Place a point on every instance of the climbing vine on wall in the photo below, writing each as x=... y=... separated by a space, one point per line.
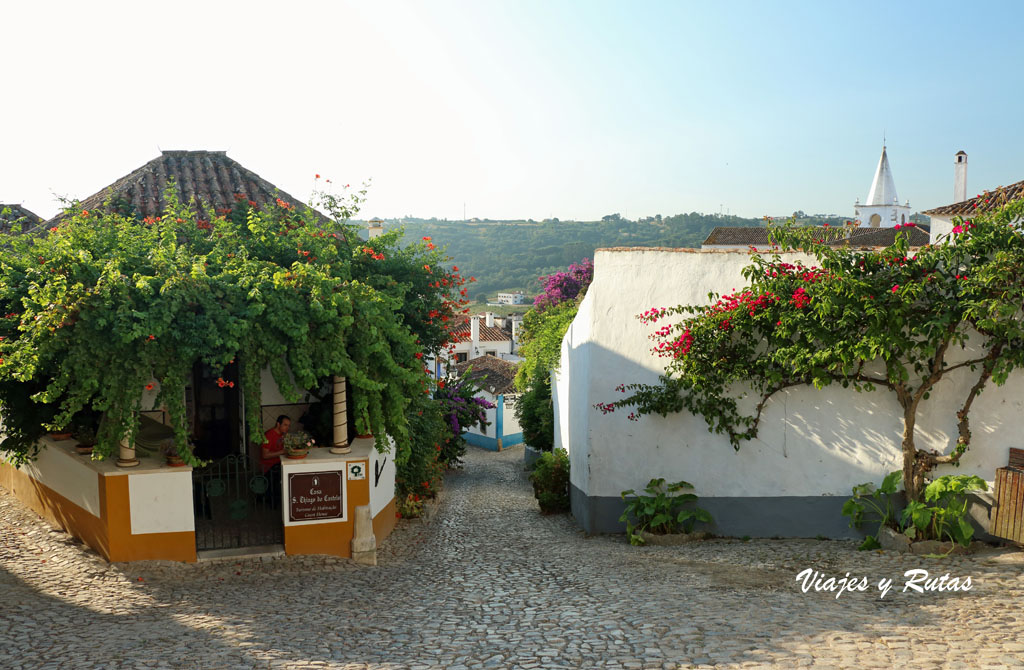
x=103 y=306
x=880 y=319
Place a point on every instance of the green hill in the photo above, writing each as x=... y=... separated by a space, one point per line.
x=511 y=255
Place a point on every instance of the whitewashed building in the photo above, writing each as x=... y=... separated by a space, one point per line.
x=496 y=378
x=513 y=298
x=964 y=207
x=813 y=445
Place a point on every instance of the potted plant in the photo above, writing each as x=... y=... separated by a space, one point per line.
x=85 y=434
x=62 y=434
x=297 y=444
x=170 y=452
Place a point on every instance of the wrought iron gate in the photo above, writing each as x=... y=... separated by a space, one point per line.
x=236 y=505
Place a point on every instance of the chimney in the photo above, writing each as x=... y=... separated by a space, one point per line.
x=474 y=335
x=515 y=330
x=374 y=228
x=490 y=319
x=960 y=177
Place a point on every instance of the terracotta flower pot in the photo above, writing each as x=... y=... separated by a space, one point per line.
x=84 y=449
x=60 y=436
x=296 y=453
x=367 y=436
x=175 y=461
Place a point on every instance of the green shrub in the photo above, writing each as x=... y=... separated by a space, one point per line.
x=550 y=478
x=663 y=510
x=536 y=415
x=946 y=518
x=876 y=503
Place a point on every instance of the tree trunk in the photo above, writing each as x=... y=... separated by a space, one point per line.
x=911 y=478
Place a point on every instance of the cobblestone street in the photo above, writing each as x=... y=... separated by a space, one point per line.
x=489 y=583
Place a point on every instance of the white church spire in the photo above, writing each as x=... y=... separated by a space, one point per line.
x=882 y=208
x=883 y=189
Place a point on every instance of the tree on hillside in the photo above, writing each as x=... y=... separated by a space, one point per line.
x=868 y=320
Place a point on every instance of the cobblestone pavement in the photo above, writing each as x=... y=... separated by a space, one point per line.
x=489 y=583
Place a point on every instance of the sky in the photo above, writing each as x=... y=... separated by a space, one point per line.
x=526 y=109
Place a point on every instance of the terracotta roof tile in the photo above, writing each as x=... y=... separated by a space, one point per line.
x=17 y=214
x=487 y=333
x=987 y=201
x=493 y=374
x=757 y=236
x=208 y=176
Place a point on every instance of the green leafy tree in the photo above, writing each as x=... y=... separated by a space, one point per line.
x=104 y=306
x=869 y=320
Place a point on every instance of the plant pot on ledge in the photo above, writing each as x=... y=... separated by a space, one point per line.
x=60 y=436
x=175 y=461
x=84 y=449
x=296 y=453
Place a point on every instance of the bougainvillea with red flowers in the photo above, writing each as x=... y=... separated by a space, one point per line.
x=891 y=319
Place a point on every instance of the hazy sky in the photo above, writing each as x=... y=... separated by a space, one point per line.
x=534 y=109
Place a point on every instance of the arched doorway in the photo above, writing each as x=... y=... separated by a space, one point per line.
x=875 y=221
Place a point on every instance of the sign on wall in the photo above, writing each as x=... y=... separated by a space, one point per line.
x=315 y=495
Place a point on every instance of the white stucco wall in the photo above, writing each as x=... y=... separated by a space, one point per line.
x=270 y=394
x=811 y=443
x=382 y=478
x=69 y=475
x=940 y=227
x=511 y=423
x=161 y=502
x=492 y=415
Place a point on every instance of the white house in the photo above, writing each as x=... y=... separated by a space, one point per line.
x=513 y=298
x=942 y=217
x=813 y=445
x=496 y=378
x=474 y=337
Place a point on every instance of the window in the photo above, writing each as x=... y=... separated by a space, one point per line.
x=490 y=353
x=461 y=358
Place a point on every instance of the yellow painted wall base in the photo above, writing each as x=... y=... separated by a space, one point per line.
x=110 y=533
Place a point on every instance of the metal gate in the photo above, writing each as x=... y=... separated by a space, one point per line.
x=236 y=505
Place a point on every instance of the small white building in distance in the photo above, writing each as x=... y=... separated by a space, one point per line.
x=882 y=208
x=515 y=298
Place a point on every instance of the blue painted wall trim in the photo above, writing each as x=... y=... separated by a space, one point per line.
x=482 y=441
x=513 y=439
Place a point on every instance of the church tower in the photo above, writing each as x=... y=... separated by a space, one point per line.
x=882 y=208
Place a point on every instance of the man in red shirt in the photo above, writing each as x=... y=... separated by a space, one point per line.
x=274 y=447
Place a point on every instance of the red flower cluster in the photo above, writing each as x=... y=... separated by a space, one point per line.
x=676 y=348
x=746 y=299
x=652 y=315
x=800 y=298
x=221 y=383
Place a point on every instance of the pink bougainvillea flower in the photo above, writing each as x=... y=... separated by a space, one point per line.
x=896 y=287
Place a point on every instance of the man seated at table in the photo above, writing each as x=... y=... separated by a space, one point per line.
x=272 y=448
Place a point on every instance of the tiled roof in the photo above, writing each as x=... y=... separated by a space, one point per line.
x=493 y=374
x=487 y=333
x=757 y=236
x=988 y=200
x=17 y=214
x=208 y=176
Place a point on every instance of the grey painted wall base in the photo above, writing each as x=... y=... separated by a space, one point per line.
x=775 y=516
x=781 y=516
x=530 y=456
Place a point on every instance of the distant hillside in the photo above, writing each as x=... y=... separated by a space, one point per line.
x=511 y=255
